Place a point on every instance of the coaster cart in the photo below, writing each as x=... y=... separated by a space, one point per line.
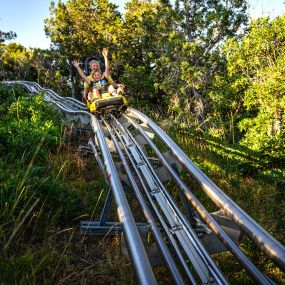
x=107 y=104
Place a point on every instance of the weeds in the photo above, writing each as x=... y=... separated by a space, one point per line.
x=249 y=182
x=43 y=195
x=47 y=187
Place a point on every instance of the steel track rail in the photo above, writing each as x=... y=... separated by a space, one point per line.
x=34 y=87
x=156 y=194
x=232 y=247
x=266 y=243
x=176 y=276
x=174 y=245
x=201 y=260
x=137 y=252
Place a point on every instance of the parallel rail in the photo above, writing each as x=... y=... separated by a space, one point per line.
x=176 y=227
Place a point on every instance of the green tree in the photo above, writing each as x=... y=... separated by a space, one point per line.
x=16 y=63
x=51 y=70
x=7 y=36
x=3 y=37
x=193 y=51
x=142 y=26
x=43 y=66
x=79 y=28
x=176 y=51
x=255 y=83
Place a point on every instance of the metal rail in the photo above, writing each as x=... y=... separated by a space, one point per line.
x=148 y=215
x=135 y=245
x=180 y=228
x=173 y=232
x=136 y=249
x=232 y=247
x=267 y=244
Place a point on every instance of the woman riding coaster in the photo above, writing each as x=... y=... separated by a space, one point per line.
x=97 y=82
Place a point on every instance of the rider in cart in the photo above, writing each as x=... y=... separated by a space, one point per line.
x=99 y=81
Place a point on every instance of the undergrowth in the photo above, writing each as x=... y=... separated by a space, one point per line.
x=46 y=189
x=252 y=181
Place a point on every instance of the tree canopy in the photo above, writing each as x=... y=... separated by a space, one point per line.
x=199 y=62
x=213 y=80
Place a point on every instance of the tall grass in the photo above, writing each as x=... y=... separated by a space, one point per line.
x=46 y=188
x=250 y=182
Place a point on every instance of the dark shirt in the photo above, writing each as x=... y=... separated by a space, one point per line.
x=101 y=84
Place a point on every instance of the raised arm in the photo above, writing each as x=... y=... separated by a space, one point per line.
x=107 y=64
x=80 y=71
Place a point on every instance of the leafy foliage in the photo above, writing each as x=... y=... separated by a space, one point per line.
x=254 y=80
x=7 y=36
x=215 y=81
x=26 y=135
x=37 y=200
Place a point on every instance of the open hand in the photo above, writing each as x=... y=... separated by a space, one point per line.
x=105 y=52
x=76 y=63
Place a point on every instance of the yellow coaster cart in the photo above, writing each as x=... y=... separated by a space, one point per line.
x=108 y=104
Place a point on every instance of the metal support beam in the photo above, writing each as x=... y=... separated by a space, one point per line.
x=136 y=249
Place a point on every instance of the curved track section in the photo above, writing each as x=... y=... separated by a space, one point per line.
x=272 y=248
x=133 y=151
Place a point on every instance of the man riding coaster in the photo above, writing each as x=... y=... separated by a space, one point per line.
x=98 y=85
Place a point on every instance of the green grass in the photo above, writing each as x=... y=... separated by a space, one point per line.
x=250 y=183
x=47 y=187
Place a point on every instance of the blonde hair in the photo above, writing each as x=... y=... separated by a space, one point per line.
x=96 y=70
x=94 y=61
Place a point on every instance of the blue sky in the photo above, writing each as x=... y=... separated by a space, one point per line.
x=26 y=17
